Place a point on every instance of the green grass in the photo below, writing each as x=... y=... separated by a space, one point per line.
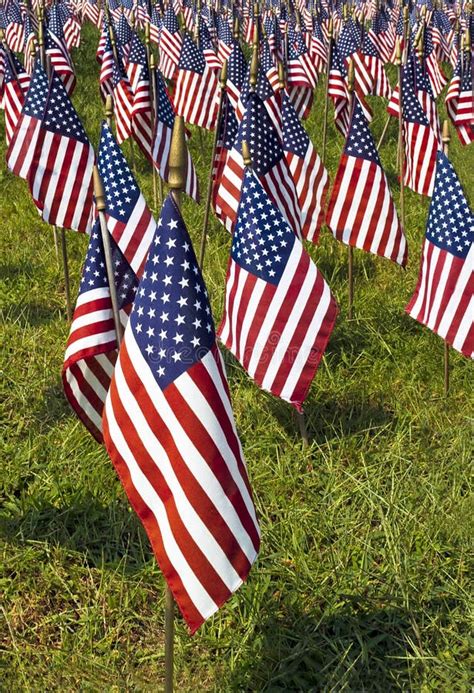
x=363 y=578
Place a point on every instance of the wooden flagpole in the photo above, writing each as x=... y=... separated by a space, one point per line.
x=446 y=139
x=350 y=256
x=109 y=265
x=222 y=81
x=67 y=285
x=326 y=97
x=401 y=142
x=157 y=183
x=178 y=162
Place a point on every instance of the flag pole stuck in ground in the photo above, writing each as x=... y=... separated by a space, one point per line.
x=446 y=139
x=177 y=177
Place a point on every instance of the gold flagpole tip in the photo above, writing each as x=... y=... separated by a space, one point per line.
x=152 y=61
x=236 y=31
x=246 y=153
x=350 y=75
x=398 y=53
x=281 y=75
x=446 y=136
x=223 y=75
x=177 y=160
x=98 y=191
x=254 y=67
x=109 y=107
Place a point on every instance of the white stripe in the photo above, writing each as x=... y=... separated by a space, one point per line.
x=197 y=594
x=464 y=327
x=82 y=401
x=310 y=337
x=456 y=296
x=192 y=458
x=275 y=306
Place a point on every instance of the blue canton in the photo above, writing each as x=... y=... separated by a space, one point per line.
x=121 y=189
x=137 y=53
x=412 y=110
x=236 y=67
x=360 y=142
x=123 y=31
x=164 y=109
x=262 y=241
x=171 y=318
x=94 y=272
x=450 y=222
x=60 y=115
x=37 y=95
x=191 y=57
x=295 y=139
x=258 y=130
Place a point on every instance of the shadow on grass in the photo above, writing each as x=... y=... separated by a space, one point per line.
x=29 y=314
x=11 y=271
x=362 y=647
x=328 y=419
x=54 y=406
x=103 y=534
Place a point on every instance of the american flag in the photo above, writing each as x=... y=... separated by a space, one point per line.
x=348 y=47
x=164 y=121
x=123 y=102
x=236 y=70
x=279 y=311
x=465 y=102
x=444 y=297
x=170 y=432
x=226 y=136
x=196 y=95
x=225 y=43
x=382 y=34
x=60 y=174
x=16 y=83
x=318 y=48
x=269 y=164
x=170 y=44
x=31 y=45
x=425 y=95
x=90 y=10
x=361 y=211
x=464 y=99
x=436 y=76
x=139 y=78
x=129 y=219
x=375 y=66
x=123 y=33
x=207 y=47
x=420 y=141
x=14 y=32
x=310 y=176
x=337 y=90
x=23 y=142
x=106 y=68
x=92 y=347
x=58 y=52
x=301 y=71
x=155 y=25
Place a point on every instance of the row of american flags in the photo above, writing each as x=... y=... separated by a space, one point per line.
x=159 y=401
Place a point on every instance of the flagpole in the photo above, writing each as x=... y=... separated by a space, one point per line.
x=446 y=139
x=42 y=53
x=401 y=145
x=177 y=173
x=109 y=265
x=67 y=286
x=326 y=99
x=350 y=256
x=157 y=191
x=222 y=80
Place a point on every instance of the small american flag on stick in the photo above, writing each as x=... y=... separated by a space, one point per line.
x=279 y=311
x=170 y=432
x=444 y=297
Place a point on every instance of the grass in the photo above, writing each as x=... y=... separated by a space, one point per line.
x=363 y=578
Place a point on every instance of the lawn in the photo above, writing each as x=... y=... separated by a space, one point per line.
x=362 y=583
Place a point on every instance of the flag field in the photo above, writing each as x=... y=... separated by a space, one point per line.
x=363 y=578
